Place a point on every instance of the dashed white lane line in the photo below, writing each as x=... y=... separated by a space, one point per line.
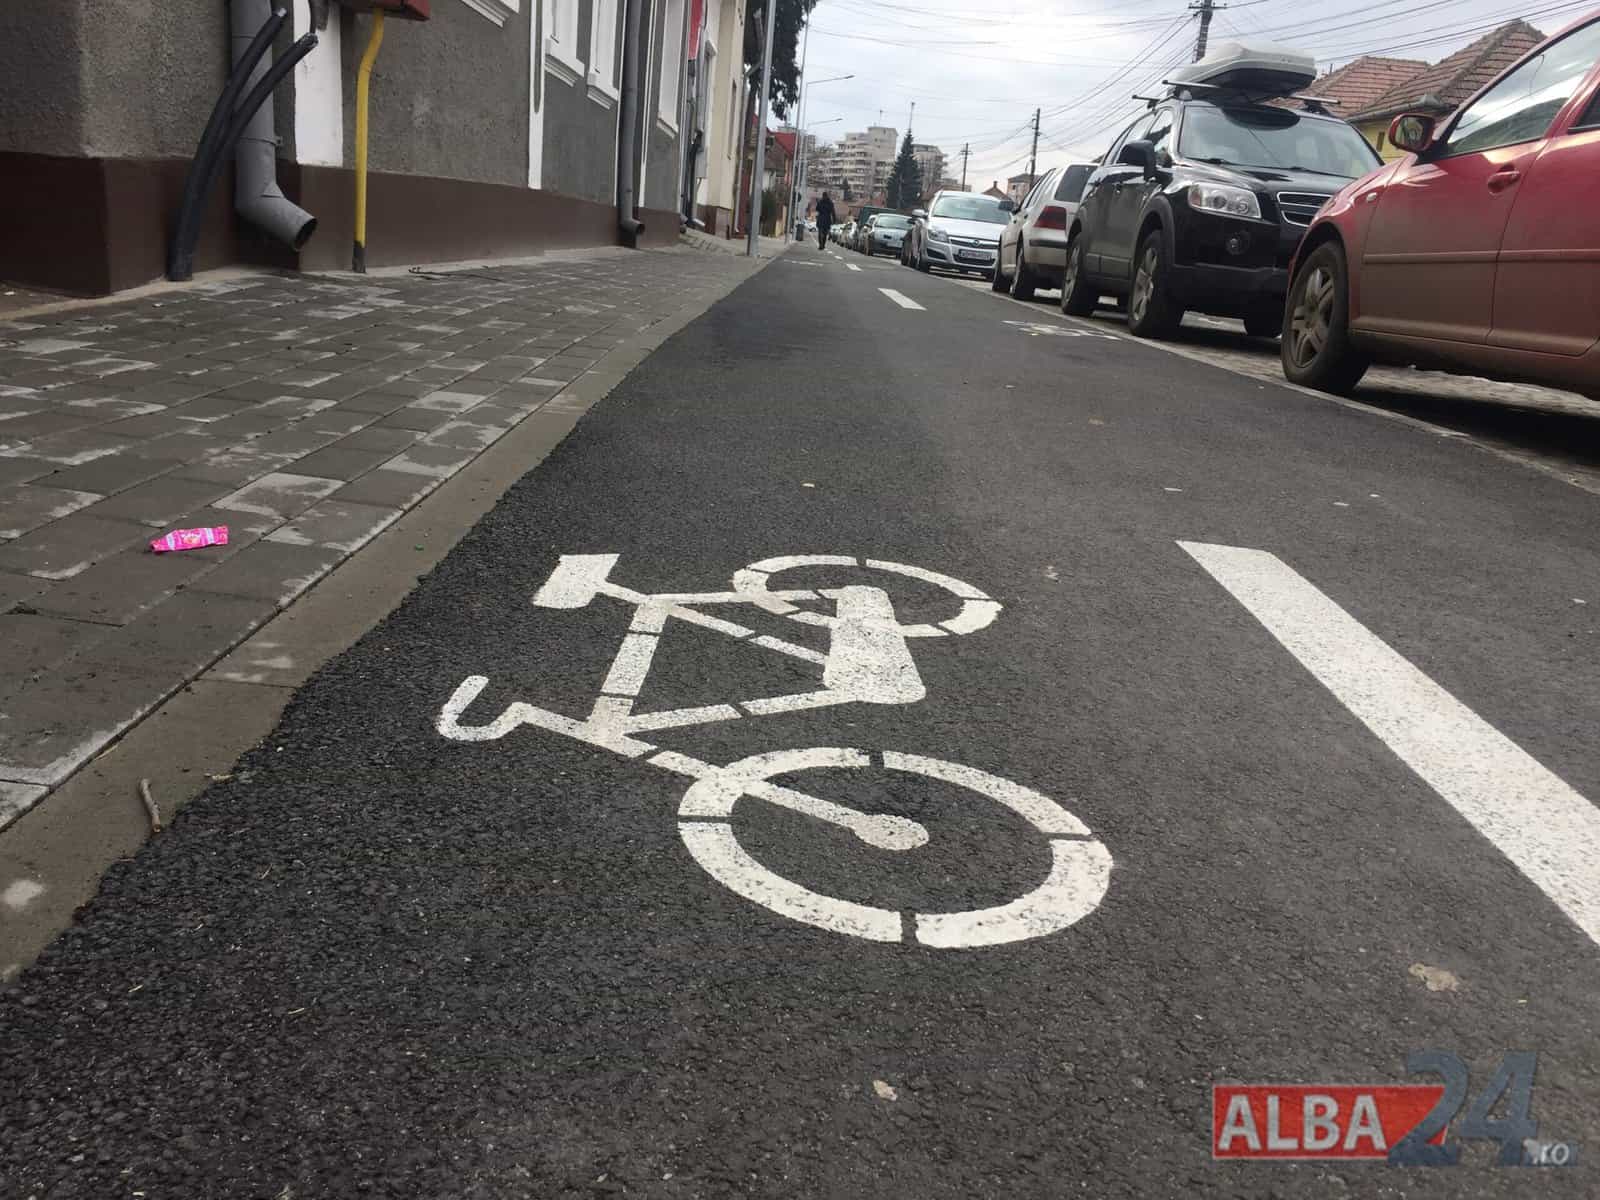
x=852 y=266
x=1548 y=830
x=902 y=301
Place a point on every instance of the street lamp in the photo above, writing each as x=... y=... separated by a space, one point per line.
x=804 y=162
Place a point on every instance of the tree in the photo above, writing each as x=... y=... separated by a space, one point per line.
x=785 y=89
x=905 y=180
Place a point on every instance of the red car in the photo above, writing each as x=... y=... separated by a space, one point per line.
x=1479 y=251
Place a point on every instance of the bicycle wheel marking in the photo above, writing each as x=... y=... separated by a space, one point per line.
x=1080 y=868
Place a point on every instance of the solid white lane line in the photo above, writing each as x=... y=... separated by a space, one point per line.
x=902 y=301
x=852 y=266
x=1535 y=819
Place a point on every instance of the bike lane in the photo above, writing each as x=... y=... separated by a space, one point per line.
x=383 y=958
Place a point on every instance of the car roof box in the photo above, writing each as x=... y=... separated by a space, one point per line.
x=1260 y=68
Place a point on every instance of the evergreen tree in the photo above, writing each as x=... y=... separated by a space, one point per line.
x=905 y=180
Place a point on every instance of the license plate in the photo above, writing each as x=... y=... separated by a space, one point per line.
x=972 y=256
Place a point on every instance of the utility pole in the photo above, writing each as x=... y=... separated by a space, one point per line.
x=761 y=131
x=1206 y=9
x=1033 y=155
x=966 y=153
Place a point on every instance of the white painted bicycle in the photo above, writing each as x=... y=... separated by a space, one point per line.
x=868 y=661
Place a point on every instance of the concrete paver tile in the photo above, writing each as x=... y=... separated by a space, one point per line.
x=120 y=587
x=112 y=473
x=157 y=502
x=333 y=462
x=420 y=420
x=387 y=489
x=21 y=470
x=281 y=494
x=31 y=643
x=53 y=727
x=65 y=547
x=271 y=570
x=27 y=506
x=18 y=798
x=22 y=591
x=338 y=524
x=71 y=448
x=178 y=637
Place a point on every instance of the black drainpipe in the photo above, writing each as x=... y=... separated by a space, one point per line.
x=628 y=134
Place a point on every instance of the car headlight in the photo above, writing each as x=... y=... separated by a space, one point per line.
x=1224 y=200
x=937 y=235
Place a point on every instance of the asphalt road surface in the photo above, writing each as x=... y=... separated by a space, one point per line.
x=1216 y=732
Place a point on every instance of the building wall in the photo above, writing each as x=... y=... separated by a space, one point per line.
x=727 y=107
x=41 y=56
x=663 y=161
x=580 y=137
x=449 y=96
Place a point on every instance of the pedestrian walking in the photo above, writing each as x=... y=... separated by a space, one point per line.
x=824 y=219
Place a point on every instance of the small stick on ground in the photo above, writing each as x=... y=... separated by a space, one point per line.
x=150 y=806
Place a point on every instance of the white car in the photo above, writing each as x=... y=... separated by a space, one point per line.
x=1033 y=245
x=959 y=231
x=885 y=232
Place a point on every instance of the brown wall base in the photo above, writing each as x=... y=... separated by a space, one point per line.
x=96 y=226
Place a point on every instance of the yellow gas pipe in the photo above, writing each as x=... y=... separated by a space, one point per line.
x=363 y=81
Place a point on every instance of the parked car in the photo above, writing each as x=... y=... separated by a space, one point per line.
x=862 y=215
x=1033 y=245
x=847 y=233
x=1479 y=250
x=1202 y=201
x=959 y=231
x=887 y=231
x=864 y=233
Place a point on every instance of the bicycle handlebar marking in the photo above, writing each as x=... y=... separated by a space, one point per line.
x=869 y=662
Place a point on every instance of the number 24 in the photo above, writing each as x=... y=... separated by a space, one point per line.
x=1513 y=1080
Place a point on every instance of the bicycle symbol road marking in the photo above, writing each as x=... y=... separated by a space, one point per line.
x=868 y=662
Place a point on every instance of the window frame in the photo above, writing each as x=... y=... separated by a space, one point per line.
x=1444 y=149
x=561 y=40
x=601 y=75
x=673 y=46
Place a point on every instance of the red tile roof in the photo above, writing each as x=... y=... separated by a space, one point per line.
x=786 y=140
x=1362 y=81
x=1442 y=87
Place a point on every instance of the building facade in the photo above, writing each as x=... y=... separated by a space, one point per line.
x=930 y=165
x=494 y=130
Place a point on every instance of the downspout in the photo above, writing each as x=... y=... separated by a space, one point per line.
x=256 y=195
x=628 y=131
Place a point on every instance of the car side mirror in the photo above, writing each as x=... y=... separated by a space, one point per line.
x=919 y=214
x=1139 y=154
x=1411 y=132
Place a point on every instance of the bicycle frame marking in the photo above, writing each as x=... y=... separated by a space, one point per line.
x=868 y=661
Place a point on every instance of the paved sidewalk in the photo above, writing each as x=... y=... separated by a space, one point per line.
x=304 y=413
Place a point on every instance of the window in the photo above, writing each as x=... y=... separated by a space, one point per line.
x=672 y=50
x=1521 y=106
x=1591 y=115
x=561 y=37
x=1037 y=190
x=1161 y=131
x=1070 y=189
x=1275 y=138
x=603 y=48
x=1135 y=132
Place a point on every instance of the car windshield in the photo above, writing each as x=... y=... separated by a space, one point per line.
x=971 y=208
x=1275 y=138
x=893 y=221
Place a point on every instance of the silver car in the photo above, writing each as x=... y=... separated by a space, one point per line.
x=960 y=231
x=1033 y=245
x=885 y=232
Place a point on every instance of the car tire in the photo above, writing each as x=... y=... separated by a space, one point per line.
x=1317 y=352
x=1021 y=278
x=923 y=264
x=1151 y=310
x=1078 y=295
x=1264 y=320
x=998 y=281
x=868 y=250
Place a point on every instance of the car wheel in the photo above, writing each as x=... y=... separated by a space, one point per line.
x=998 y=281
x=1078 y=295
x=1264 y=320
x=1151 y=312
x=1316 y=325
x=868 y=250
x=923 y=264
x=1021 y=278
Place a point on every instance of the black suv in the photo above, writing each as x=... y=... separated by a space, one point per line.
x=1201 y=203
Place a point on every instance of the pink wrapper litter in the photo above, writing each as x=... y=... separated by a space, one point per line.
x=191 y=539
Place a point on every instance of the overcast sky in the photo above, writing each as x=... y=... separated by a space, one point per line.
x=977 y=72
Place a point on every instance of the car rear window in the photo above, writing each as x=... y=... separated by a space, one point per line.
x=1070 y=189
